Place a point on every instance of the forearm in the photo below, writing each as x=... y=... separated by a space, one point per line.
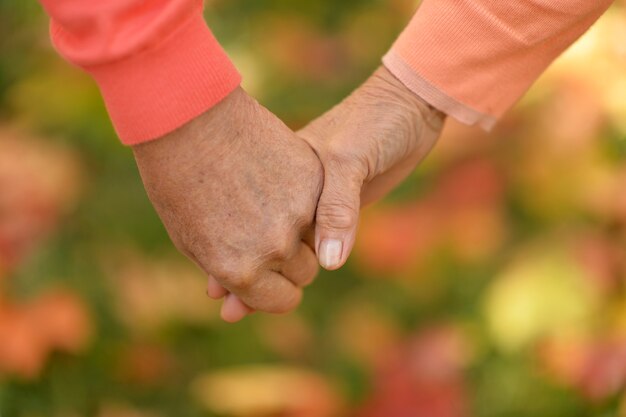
x=156 y=62
x=473 y=59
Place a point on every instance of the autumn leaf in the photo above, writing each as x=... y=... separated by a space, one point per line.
x=266 y=391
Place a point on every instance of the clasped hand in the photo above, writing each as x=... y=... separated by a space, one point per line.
x=256 y=206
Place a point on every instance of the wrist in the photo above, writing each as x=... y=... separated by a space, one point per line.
x=397 y=89
x=172 y=156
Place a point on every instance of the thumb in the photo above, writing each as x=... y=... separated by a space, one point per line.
x=337 y=214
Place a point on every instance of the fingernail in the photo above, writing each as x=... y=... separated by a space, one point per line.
x=330 y=253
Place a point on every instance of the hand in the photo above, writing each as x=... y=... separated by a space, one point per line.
x=237 y=192
x=368 y=144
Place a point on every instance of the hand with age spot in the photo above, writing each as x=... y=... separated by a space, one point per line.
x=368 y=144
x=237 y=192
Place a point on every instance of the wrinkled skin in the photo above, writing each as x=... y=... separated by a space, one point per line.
x=237 y=192
x=368 y=144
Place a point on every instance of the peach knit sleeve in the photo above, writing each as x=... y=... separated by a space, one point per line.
x=473 y=59
x=155 y=61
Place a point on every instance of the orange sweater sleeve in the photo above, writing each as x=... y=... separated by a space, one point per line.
x=155 y=61
x=473 y=59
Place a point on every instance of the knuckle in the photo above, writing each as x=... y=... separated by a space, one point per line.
x=281 y=245
x=236 y=277
x=288 y=303
x=302 y=211
x=241 y=281
x=280 y=250
x=304 y=217
x=339 y=216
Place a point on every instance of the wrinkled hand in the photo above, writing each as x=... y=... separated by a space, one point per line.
x=237 y=193
x=368 y=144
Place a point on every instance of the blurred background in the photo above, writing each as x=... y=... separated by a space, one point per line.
x=492 y=283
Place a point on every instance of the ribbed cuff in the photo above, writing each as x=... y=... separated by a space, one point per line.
x=435 y=96
x=158 y=90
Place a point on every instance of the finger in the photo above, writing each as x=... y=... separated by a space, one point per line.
x=233 y=309
x=337 y=214
x=215 y=289
x=302 y=268
x=267 y=291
